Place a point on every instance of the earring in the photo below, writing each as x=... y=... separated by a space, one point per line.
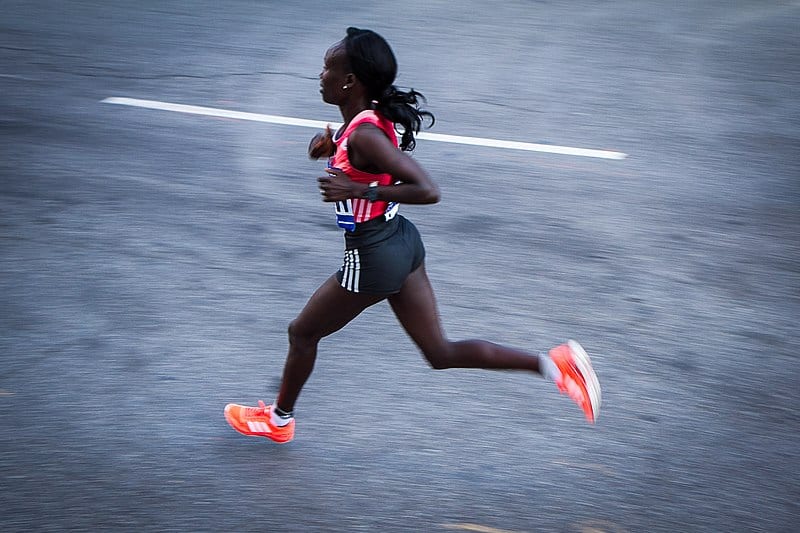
x=345 y=87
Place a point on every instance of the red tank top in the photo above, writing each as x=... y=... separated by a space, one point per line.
x=358 y=210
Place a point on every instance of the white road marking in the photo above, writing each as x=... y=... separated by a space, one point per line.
x=319 y=124
x=517 y=145
x=475 y=527
x=16 y=77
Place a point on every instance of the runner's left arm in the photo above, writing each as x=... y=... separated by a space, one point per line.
x=368 y=144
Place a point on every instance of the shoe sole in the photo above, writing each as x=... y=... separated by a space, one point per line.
x=584 y=365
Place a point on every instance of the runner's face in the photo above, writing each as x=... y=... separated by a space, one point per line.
x=334 y=74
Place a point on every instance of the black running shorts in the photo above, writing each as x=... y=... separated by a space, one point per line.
x=379 y=255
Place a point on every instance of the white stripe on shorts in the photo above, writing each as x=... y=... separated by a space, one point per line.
x=352 y=270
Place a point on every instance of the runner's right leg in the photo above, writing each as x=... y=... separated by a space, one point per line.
x=415 y=308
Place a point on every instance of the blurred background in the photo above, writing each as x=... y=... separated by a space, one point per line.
x=150 y=262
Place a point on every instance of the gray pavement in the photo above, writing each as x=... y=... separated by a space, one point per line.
x=150 y=262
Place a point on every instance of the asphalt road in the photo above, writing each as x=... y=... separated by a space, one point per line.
x=150 y=262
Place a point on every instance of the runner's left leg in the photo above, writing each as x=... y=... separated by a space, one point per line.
x=328 y=310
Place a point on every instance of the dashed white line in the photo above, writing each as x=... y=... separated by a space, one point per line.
x=318 y=124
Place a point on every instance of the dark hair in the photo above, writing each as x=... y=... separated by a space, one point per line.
x=375 y=66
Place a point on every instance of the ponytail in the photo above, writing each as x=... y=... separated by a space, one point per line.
x=374 y=64
x=402 y=108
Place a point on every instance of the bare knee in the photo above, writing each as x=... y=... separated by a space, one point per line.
x=461 y=354
x=300 y=337
x=438 y=363
x=439 y=357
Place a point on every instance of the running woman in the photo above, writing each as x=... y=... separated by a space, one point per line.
x=368 y=175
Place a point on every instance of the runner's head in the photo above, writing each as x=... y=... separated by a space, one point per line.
x=371 y=61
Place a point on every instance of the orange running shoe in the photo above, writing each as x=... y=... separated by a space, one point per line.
x=578 y=379
x=257 y=422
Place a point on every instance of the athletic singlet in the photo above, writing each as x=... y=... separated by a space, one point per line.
x=357 y=210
